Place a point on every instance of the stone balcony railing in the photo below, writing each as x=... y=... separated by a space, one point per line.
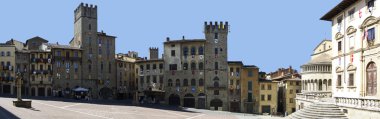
x=313 y=96
x=360 y=103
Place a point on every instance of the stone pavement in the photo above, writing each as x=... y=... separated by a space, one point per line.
x=108 y=109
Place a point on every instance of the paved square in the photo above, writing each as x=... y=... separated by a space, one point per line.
x=72 y=109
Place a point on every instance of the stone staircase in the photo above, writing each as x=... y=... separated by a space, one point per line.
x=319 y=110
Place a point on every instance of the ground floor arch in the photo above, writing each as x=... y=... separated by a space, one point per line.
x=174 y=99
x=216 y=104
x=201 y=101
x=189 y=101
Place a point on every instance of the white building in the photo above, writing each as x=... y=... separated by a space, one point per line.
x=355 y=56
x=316 y=76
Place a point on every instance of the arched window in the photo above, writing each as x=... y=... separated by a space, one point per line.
x=200 y=66
x=185 y=51
x=177 y=83
x=193 y=50
x=170 y=83
x=185 y=82
x=200 y=50
x=193 y=66
x=193 y=82
x=201 y=83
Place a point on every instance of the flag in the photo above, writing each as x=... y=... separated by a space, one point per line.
x=365 y=34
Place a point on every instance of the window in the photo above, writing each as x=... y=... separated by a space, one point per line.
x=154 y=79
x=58 y=64
x=185 y=66
x=298 y=91
x=141 y=67
x=161 y=79
x=161 y=66
x=177 y=83
x=109 y=67
x=67 y=65
x=291 y=83
x=89 y=67
x=2 y=53
x=249 y=97
x=170 y=83
x=232 y=71
x=192 y=50
x=76 y=67
x=269 y=87
x=262 y=87
x=173 y=53
x=154 y=66
x=185 y=82
x=193 y=66
x=141 y=81
x=8 y=53
x=262 y=97
x=291 y=91
x=173 y=67
x=89 y=26
x=291 y=100
x=339 y=80
x=339 y=45
x=216 y=51
x=200 y=50
x=41 y=67
x=370 y=5
x=193 y=83
x=200 y=82
x=216 y=66
x=371 y=34
x=216 y=92
x=147 y=66
x=297 y=83
x=351 y=41
x=250 y=73
x=100 y=50
x=101 y=66
x=201 y=66
x=76 y=54
x=249 y=85
x=67 y=54
x=269 y=97
x=351 y=14
x=237 y=71
x=216 y=36
x=351 y=79
x=185 y=51
x=339 y=22
x=147 y=79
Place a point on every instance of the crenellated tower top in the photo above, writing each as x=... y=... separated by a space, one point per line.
x=221 y=27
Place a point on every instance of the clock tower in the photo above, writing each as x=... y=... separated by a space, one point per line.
x=216 y=73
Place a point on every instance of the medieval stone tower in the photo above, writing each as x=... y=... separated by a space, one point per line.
x=153 y=52
x=85 y=35
x=216 y=73
x=98 y=51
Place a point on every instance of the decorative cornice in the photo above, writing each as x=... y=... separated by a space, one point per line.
x=339 y=70
x=350 y=30
x=351 y=67
x=338 y=36
x=369 y=21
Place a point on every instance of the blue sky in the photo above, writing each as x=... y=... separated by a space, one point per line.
x=266 y=33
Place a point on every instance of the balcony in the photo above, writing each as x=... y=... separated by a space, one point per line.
x=7 y=78
x=359 y=103
x=7 y=68
x=67 y=58
x=313 y=96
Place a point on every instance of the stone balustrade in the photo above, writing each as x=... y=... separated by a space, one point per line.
x=361 y=103
x=313 y=96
